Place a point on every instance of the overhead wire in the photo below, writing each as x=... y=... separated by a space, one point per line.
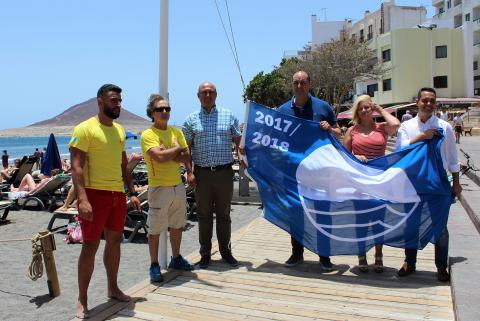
x=231 y=43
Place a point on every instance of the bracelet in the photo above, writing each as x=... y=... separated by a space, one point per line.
x=130 y=194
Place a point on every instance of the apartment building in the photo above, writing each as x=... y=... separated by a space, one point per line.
x=413 y=58
x=464 y=15
x=388 y=18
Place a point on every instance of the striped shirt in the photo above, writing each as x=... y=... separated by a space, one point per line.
x=372 y=145
x=211 y=135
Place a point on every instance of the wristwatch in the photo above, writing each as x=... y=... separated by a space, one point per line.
x=130 y=194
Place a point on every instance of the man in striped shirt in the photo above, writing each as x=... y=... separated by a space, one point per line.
x=210 y=132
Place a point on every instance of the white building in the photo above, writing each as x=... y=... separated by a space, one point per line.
x=465 y=15
x=326 y=31
x=389 y=17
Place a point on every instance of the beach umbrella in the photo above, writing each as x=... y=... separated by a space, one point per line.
x=130 y=135
x=52 y=157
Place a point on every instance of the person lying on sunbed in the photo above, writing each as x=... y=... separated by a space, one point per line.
x=7 y=173
x=28 y=183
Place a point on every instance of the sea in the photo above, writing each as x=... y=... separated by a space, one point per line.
x=17 y=147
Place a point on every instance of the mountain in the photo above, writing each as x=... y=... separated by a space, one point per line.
x=80 y=112
x=63 y=123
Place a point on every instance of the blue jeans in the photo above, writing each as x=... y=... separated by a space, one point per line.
x=441 y=252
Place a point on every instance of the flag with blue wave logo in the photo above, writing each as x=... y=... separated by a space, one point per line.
x=314 y=189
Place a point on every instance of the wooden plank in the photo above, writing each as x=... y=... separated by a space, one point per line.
x=332 y=304
x=264 y=289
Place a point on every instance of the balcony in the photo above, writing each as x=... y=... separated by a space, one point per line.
x=457 y=21
x=476 y=38
x=437 y=3
x=476 y=14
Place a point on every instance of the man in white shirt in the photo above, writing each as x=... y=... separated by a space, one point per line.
x=424 y=127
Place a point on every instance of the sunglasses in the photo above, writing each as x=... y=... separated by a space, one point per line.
x=162 y=109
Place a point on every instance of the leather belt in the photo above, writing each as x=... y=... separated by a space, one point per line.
x=215 y=168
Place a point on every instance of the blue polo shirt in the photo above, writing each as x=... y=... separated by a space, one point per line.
x=315 y=109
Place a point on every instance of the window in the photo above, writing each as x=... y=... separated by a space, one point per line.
x=362 y=38
x=354 y=37
x=475 y=65
x=387 y=84
x=440 y=82
x=449 y=4
x=371 y=89
x=441 y=51
x=467 y=17
x=386 y=55
x=370 y=32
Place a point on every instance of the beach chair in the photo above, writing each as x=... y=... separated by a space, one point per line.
x=136 y=220
x=69 y=215
x=26 y=165
x=5 y=207
x=48 y=194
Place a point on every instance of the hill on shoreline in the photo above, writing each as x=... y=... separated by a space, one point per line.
x=63 y=123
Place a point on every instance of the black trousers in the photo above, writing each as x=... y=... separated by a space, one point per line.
x=214 y=193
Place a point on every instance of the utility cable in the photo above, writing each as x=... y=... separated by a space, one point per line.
x=234 y=53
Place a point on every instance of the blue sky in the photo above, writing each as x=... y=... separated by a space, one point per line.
x=56 y=53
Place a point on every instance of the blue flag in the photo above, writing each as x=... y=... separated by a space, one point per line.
x=332 y=203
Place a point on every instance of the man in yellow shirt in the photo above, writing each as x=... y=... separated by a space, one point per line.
x=164 y=148
x=99 y=174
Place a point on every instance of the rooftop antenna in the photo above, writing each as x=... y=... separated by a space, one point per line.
x=324 y=13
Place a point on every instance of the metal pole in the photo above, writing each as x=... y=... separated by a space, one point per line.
x=163 y=90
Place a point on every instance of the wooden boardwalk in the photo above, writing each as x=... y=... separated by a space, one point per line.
x=263 y=289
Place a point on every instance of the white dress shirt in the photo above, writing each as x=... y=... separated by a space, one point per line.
x=413 y=127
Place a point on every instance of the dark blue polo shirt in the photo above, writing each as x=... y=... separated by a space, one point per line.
x=315 y=109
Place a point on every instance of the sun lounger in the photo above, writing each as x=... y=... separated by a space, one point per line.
x=26 y=165
x=69 y=215
x=46 y=195
x=136 y=220
x=5 y=207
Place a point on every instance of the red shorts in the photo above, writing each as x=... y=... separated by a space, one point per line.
x=109 y=211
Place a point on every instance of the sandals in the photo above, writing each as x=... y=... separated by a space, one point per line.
x=362 y=263
x=378 y=267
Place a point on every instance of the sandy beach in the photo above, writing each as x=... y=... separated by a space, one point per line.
x=23 y=299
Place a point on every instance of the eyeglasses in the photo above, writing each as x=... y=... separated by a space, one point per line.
x=162 y=109
x=211 y=92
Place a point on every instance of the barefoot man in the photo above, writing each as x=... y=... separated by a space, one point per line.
x=99 y=161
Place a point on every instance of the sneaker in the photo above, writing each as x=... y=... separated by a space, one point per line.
x=155 y=273
x=294 y=260
x=326 y=264
x=406 y=269
x=204 y=262
x=230 y=260
x=442 y=275
x=179 y=263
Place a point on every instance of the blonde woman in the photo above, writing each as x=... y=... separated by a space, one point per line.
x=367 y=139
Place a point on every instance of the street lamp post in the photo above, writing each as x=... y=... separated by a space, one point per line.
x=163 y=90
